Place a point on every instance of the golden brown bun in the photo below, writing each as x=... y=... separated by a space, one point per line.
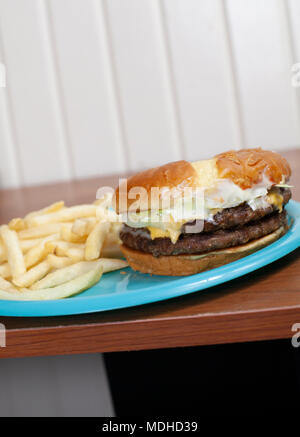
x=244 y=167
x=183 y=265
x=170 y=175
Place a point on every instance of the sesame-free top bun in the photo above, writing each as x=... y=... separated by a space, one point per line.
x=183 y=265
x=244 y=167
x=171 y=175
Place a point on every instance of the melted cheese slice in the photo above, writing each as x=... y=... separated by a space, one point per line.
x=171 y=233
x=174 y=230
x=275 y=199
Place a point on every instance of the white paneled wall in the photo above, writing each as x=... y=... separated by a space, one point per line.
x=87 y=86
x=138 y=51
x=38 y=128
x=201 y=65
x=293 y=14
x=105 y=86
x=259 y=33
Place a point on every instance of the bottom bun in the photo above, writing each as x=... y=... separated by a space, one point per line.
x=183 y=265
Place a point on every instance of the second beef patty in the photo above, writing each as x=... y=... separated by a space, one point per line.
x=202 y=242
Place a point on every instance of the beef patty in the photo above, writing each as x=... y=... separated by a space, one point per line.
x=240 y=215
x=202 y=242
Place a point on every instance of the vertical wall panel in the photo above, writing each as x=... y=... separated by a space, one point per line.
x=9 y=170
x=87 y=86
x=201 y=75
x=143 y=80
x=39 y=131
x=263 y=72
x=294 y=17
x=9 y=174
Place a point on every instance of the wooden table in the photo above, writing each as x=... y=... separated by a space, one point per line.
x=260 y=306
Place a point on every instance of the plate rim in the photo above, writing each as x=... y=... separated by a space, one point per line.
x=184 y=285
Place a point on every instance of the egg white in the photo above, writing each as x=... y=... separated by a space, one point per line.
x=201 y=205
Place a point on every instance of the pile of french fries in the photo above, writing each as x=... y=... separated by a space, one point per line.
x=58 y=251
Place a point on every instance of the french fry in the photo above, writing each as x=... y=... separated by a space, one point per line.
x=14 y=253
x=29 y=244
x=52 y=245
x=5 y=270
x=62 y=275
x=79 y=227
x=55 y=252
x=33 y=275
x=110 y=265
x=75 y=253
x=39 y=252
x=40 y=231
x=65 y=248
x=17 y=224
x=58 y=262
x=65 y=244
x=83 y=227
x=95 y=240
x=113 y=236
x=64 y=215
x=3 y=253
x=67 y=234
x=24 y=244
x=62 y=291
x=35 y=255
x=6 y=285
x=54 y=207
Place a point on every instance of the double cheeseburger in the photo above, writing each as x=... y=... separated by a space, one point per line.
x=204 y=214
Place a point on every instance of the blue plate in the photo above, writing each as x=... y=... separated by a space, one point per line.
x=117 y=290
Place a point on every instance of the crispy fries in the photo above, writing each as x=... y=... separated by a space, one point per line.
x=62 y=291
x=17 y=224
x=109 y=265
x=39 y=252
x=51 y=208
x=71 y=250
x=6 y=285
x=57 y=251
x=58 y=262
x=33 y=275
x=83 y=227
x=40 y=231
x=72 y=271
x=63 y=275
x=64 y=215
x=5 y=271
x=95 y=240
x=67 y=234
x=14 y=251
